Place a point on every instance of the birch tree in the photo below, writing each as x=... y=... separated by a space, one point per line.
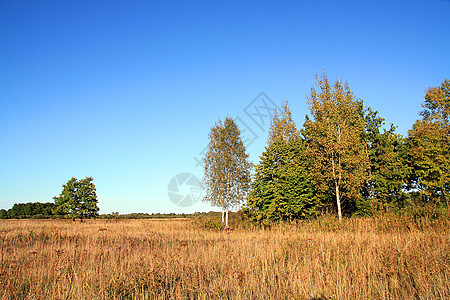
x=227 y=169
x=335 y=142
x=282 y=127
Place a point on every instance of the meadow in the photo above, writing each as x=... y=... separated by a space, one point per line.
x=378 y=258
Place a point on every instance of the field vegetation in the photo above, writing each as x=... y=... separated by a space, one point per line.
x=358 y=258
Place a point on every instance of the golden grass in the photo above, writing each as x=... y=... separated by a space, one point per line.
x=175 y=259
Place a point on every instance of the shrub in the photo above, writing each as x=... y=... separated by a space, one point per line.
x=210 y=223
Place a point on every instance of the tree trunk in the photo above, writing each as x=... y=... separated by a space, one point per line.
x=226 y=219
x=338 y=202
x=337 y=184
x=445 y=193
x=227 y=200
x=223 y=214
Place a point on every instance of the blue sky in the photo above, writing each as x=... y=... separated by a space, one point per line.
x=127 y=91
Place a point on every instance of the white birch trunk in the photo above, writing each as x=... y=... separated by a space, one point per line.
x=226 y=219
x=337 y=184
x=227 y=200
x=338 y=202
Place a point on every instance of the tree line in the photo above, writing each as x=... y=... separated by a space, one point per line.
x=343 y=160
x=28 y=210
x=78 y=199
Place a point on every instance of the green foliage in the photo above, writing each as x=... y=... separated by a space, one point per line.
x=388 y=169
x=29 y=210
x=428 y=147
x=78 y=199
x=429 y=159
x=3 y=214
x=209 y=223
x=281 y=188
x=429 y=211
x=345 y=152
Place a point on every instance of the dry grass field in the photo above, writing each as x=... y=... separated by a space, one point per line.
x=176 y=259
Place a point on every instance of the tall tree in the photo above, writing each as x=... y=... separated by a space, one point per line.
x=335 y=141
x=429 y=158
x=281 y=189
x=78 y=199
x=388 y=169
x=227 y=169
x=429 y=146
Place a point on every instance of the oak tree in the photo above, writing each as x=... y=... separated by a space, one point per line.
x=78 y=199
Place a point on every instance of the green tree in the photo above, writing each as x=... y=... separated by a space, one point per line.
x=429 y=146
x=429 y=159
x=335 y=143
x=31 y=209
x=227 y=169
x=388 y=168
x=78 y=199
x=281 y=189
x=3 y=214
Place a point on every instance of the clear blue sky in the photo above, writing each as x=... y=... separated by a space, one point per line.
x=127 y=91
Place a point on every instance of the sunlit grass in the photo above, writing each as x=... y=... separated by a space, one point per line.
x=175 y=259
